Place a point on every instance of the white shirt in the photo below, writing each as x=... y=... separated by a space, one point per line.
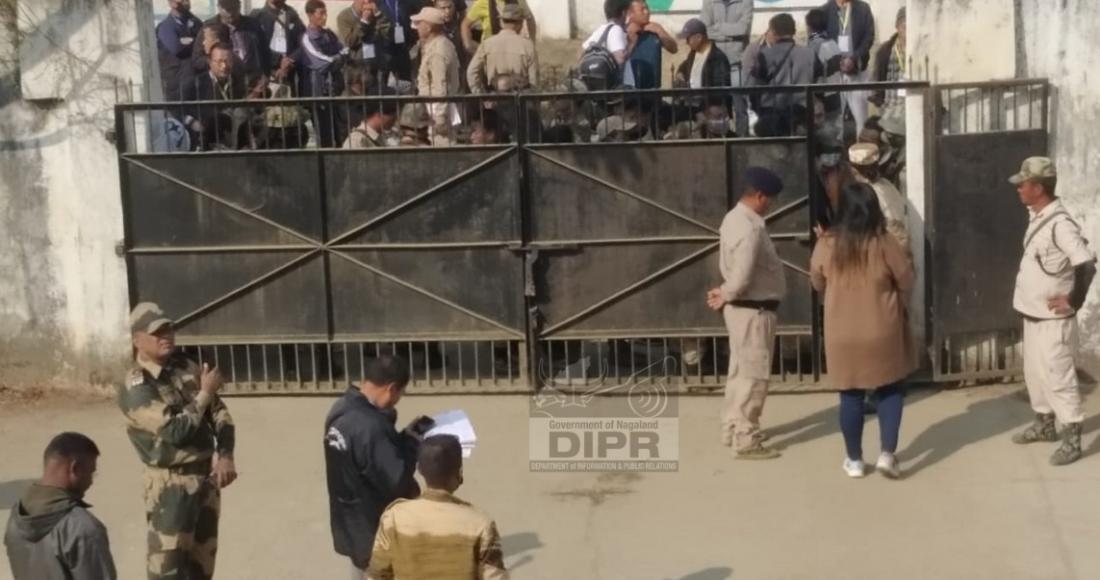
x=616 y=39
x=1051 y=254
x=697 y=66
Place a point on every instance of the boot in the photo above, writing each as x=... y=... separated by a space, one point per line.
x=1070 y=450
x=1042 y=430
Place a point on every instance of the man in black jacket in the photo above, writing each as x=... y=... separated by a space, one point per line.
x=51 y=534
x=852 y=26
x=369 y=464
x=714 y=68
x=282 y=30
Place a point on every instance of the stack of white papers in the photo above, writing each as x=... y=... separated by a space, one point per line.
x=455 y=423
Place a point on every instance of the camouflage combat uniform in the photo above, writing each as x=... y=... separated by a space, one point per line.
x=176 y=431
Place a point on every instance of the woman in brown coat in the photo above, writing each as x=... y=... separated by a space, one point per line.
x=866 y=277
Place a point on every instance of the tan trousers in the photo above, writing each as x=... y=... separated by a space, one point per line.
x=1049 y=370
x=752 y=337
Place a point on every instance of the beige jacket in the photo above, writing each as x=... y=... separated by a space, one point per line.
x=439 y=77
x=436 y=536
x=505 y=53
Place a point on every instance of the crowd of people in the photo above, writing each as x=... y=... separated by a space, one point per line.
x=443 y=49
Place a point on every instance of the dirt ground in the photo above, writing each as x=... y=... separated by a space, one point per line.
x=973 y=505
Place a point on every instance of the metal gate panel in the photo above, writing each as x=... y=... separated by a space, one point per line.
x=290 y=305
x=977 y=226
x=422 y=195
x=425 y=293
x=223 y=201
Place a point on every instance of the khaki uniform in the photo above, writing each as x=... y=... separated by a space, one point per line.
x=436 y=536
x=440 y=77
x=752 y=272
x=506 y=53
x=367 y=138
x=176 y=430
x=1053 y=247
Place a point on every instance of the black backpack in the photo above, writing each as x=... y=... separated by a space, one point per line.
x=598 y=69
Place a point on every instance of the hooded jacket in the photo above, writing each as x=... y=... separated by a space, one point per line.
x=51 y=535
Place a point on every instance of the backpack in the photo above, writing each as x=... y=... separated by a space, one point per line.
x=597 y=68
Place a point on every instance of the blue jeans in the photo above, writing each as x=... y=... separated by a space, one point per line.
x=890 y=399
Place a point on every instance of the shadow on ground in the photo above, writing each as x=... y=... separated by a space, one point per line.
x=11 y=491
x=710 y=574
x=826 y=422
x=980 y=421
x=521 y=545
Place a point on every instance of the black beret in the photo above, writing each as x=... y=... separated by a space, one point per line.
x=763 y=180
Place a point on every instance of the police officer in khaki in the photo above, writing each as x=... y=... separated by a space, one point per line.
x=505 y=53
x=184 y=435
x=748 y=299
x=1055 y=272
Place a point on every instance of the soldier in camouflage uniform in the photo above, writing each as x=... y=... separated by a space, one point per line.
x=184 y=435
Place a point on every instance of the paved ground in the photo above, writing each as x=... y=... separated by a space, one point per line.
x=972 y=507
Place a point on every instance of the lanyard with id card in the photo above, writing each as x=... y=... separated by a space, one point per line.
x=399 y=29
x=845 y=39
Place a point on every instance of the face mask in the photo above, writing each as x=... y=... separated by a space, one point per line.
x=719 y=127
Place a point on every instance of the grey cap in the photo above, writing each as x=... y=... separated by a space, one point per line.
x=692 y=27
x=147 y=317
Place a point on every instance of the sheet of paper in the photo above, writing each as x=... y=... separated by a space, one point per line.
x=458 y=424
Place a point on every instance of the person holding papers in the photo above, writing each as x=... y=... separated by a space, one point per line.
x=437 y=535
x=368 y=463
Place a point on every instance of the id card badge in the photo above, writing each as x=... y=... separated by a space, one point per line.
x=845 y=42
x=187 y=40
x=368 y=51
x=399 y=35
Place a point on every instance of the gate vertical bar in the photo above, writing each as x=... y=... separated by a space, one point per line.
x=121 y=144
x=813 y=183
x=523 y=219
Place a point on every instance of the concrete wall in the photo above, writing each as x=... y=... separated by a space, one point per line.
x=1061 y=45
x=63 y=297
x=963 y=40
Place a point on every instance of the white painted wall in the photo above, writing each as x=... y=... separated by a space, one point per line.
x=63 y=299
x=1062 y=45
x=964 y=40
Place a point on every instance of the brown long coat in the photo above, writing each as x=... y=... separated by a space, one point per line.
x=867 y=340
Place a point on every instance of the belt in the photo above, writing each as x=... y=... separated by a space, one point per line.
x=769 y=305
x=202 y=467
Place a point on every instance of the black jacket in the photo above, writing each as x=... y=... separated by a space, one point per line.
x=882 y=65
x=369 y=464
x=862 y=27
x=52 y=536
x=716 y=70
x=267 y=18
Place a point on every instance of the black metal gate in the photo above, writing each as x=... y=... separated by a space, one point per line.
x=981 y=132
x=504 y=267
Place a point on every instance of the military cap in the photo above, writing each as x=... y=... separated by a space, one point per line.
x=763 y=180
x=415 y=116
x=430 y=15
x=511 y=13
x=893 y=120
x=1034 y=168
x=148 y=317
x=864 y=154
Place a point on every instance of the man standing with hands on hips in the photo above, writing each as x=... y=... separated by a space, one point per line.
x=748 y=300
x=1055 y=273
x=185 y=437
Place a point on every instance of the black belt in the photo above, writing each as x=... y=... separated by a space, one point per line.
x=769 y=305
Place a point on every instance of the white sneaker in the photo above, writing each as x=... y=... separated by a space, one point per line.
x=854 y=468
x=888 y=465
